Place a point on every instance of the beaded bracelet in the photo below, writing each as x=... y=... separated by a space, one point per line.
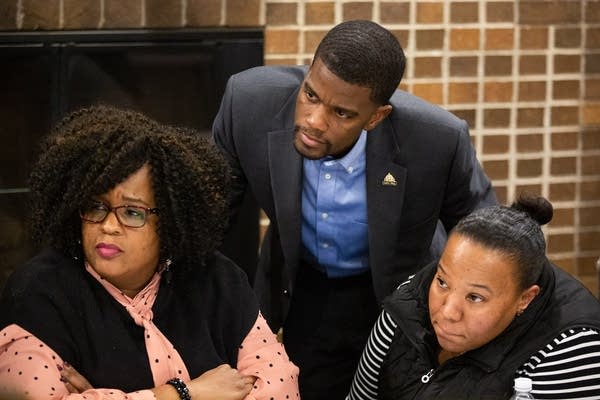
x=182 y=390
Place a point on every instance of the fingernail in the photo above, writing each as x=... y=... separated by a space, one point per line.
x=63 y=379
x=67 y=365
x=60 y=368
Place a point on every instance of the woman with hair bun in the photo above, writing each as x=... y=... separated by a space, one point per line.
x=129 y=298
x=493 y=308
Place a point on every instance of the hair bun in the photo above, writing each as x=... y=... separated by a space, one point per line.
x=536 y=207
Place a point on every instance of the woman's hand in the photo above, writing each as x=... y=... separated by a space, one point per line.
x=74 y=381
x=221 y=383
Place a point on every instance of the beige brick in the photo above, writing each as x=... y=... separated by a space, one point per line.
x=41 y=14
x=163 y=14
x=564 y=140
x=529 y=168
x=530 y=143
x=127 y=14
x=462 y=92
x=554 y=12
x=397 y=12
x=591 y=114
x=81 y=14
x=428 y=39
x=498 y=92
x=496 y=169
x=561 y=192
x=590 y=165
x=534 y=38
x=432 y=92
x=500 y=11
x=563 y=166
x=560 y=243
x=529 y=117
x=495 y=144
x=242 y=13
x=564 y=116
x=430 y=67
x=532 y=91
x=464 y=12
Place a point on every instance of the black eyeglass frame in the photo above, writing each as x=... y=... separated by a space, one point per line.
x=147 y=211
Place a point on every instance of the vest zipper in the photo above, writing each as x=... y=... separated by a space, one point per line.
x=427 y=377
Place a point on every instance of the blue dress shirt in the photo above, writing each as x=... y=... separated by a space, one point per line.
x=334 y=212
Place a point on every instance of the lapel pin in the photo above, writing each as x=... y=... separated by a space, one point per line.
x=389 y=180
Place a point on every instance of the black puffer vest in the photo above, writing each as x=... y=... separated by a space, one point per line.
x=411 y=371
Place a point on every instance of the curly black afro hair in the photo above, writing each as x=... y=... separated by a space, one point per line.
x=92 y=150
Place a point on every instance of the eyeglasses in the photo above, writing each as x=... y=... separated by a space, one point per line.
x=129 y=216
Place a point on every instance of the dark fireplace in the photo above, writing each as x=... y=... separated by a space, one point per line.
x=174 y=76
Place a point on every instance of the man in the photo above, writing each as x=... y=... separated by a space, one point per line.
x=354 y=176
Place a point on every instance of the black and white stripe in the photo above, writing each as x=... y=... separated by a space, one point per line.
x=566 y=368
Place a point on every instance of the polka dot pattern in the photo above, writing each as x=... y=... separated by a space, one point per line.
x=262 y=356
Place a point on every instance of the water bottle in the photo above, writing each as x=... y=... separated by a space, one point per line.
x=522 y=389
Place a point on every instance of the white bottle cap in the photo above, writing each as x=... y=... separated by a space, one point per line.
x=523 y=384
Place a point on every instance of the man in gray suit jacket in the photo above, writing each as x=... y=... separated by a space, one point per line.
x=354 y=176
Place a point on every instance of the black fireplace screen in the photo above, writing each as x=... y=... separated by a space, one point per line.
x=174 y=76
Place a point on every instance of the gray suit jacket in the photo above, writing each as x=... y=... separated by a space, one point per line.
x=426 y=149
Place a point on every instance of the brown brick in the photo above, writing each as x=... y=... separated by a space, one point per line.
x=500 y=11
x=589 y=241
x=549 y=12
x=592 y=11
x=464 y=12
x=532 y=190
x=590 y=191
x=587 y=265
x=432 y=92
x=496 y=118
x=590 y=165
x=532 y=91
x=395 y=12
x=592 y=89
x=312 y=40
x=285 y=13
x=428 y=67
x=467 y=115
x=283 y=41
x=41 y=14
x=592 y=63
x=534 y=38
x=529 y=168
x=430 y=39
x=430 y=13
x=498 y=65
x=591 y=114
x=495 y=144
x=589 y=216
x=565 y=90
x=561 y=192
x=530 y=117
x=8 y=15
x=566 y=264
x=529 y=65
x=561 y=242
x=567 y=37
x=567 y=63
x=81 y=14
x=497 y=92
x=462 y=92
x=128 y=14
x=242 y=12
x=501 y=194
x=564 y=140
x=318 y=13
x=565 y=116
x=496 y=169
x=590 y=138
x=563 y=166
x=401 y=35
x=563 y=217
x=464 y=39
x=499 y=39
x=530 y=143
x=163 y=14
x=282 y=61
x=463 y=66
x=357 y=10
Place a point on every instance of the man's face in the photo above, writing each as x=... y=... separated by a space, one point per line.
x=331 y=114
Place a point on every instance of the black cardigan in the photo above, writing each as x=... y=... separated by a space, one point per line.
x=205 y=312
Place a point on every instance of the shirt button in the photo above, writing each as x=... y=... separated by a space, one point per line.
x=350 y=169
x=324 y=215
x=325 y=245
x=327 y=176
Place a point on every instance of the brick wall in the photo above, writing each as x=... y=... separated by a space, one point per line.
x=524 y=74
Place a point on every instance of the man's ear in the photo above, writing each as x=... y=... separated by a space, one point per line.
x=380 y=113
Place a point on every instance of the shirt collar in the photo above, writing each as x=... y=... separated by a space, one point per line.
x=350 y=160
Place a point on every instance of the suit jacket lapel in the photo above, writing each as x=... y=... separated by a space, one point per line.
x=285 y=166
x=386 y=181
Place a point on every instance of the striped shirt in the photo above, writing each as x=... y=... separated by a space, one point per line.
x=566 y=368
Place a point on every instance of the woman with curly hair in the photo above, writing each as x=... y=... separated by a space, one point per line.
x=130 y=298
